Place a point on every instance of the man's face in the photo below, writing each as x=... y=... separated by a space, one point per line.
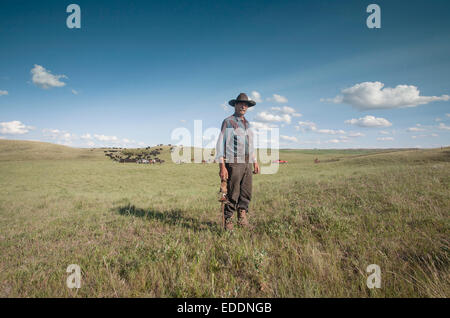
x=240 y=108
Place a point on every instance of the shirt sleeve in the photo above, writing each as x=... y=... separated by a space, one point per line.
x=221 y=141
x=251 y=135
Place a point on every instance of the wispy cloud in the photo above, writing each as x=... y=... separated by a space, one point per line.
x=385 y=138
x=3 y=92
x=225 y=107
x=91 y=140
x=306 y=125
x=256 y=96
x=106 y=138
x=355 y=134
x=256 y=125
x=331 y=131
x=423 y=135
x=288 y=138
x=372 y=95
x=418 y=128
x=337 y=141
x=287 y=110
x=278 y=98
x=63 y=137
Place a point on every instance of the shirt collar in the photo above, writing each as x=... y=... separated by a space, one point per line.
x=239 y=118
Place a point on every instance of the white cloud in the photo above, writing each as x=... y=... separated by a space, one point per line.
x=420 y=136
x=369 y=121
x=372 y=95
x=284 y=109
x=447 y=115
x=106 y=138
x=64 y=142
x=14 y=127
x=2 y=137
x=268 y=117
x=333 y=141
x=44 y=79
x=288 y=138
x=3 y=92
x=278 y=98
x=356 y=134
x=330 y=131
x=86 y=136
x=256 y=125
x=256 y=97
x=74 y=92
x=287 y=110
x=91 y=140
x=415 y=129
x=51 y=132
x=306 y=125
x=384 y=132
x=438 y=119
x=310 y=126
x=444 y=127
x=183 y=120
x=61 y=135
x=106 y=141
x=385 y=138
x=68 y=136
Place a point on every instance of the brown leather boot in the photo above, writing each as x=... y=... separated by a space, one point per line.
x=242 y=218
x=228 y=224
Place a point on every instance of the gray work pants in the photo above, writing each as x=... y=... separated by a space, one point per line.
x=239 y=187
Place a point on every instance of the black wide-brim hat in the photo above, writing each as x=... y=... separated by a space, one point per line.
x=242 y=97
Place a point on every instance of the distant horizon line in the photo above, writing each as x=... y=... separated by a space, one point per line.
x=173 y=145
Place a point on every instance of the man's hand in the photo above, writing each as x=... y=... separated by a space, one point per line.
x=223 y=173
x=255 y=168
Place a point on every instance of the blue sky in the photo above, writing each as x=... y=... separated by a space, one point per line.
x=136 y=70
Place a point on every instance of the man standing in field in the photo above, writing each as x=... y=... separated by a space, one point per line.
x=236 y=155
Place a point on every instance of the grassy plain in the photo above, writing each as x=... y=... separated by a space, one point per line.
x=153 y=230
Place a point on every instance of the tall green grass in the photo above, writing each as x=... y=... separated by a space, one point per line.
x=154 y=230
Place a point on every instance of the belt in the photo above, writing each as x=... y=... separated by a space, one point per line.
x=246 y=159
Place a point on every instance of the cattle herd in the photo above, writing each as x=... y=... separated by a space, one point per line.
x=147 y=156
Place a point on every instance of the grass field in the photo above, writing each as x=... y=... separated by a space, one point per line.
x=153 y=230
